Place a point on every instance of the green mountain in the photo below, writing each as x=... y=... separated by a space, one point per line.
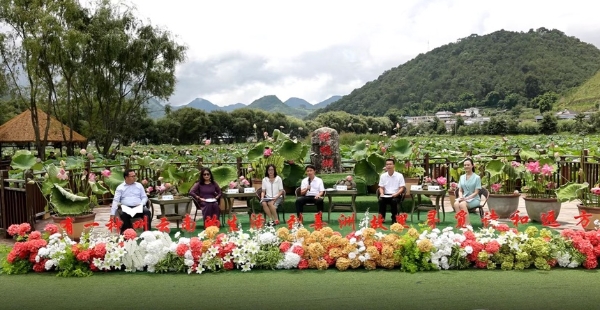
x=500 y=69
x=154 y=108
x=584 y=98
x=272 y=104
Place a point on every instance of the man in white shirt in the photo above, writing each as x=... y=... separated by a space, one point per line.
x=391 y=188
x=311 y=191
x=130 y=194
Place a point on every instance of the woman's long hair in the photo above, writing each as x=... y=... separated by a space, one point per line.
x=267 y=170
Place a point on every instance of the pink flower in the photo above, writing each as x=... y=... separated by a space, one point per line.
x=207 y=142
x=496 y=187
x=533 y=167
x=427 y=180
x=62 y=175
x=515 y=164
x=547 y=170
x=383 y=149
x=167 y=185
x=144 y=182
x=453 y=185
x=595 y=191
x=51 y=229
x=245 y=183
x=160 y=188
x=106 y=173
x=232 y=184
x=92 y=178
x=551 y=185
x=241 y=177
x=266 y=134
x=441 y=181
x=35 y=235
x=267 y=152
x=149 y=189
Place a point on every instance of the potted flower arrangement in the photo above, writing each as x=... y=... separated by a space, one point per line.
x=240 y=184
x=589 y=201
x=540 y=189
x=451 y=192
x=502 y=176
x=72 y=193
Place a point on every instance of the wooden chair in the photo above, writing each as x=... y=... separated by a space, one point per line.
x=483 y=192
x=280 y=208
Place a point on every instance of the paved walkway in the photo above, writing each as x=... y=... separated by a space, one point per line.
x=565 y=218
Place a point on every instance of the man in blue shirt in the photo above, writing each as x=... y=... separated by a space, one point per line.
x=130 y=194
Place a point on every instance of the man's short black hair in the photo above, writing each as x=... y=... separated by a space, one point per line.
x=126 y=172
x=392 y=160
x=311 y=167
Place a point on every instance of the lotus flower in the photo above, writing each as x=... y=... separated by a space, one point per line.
x=92 y=178
x=547 y=170
x=149 y=189
x=496 y=187
x=595 y=191
x=106 y=173
x=144 y=182
x=441 y=181
x=232 y=184
x=207 y=142
x=533 y=167
x=62 y=175
x=453 y=185
x=515 y=164
x=82 y=152
x=267 y=152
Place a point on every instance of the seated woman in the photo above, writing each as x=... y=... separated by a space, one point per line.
x=272 y=194
x=207 y=192
x=468 y=190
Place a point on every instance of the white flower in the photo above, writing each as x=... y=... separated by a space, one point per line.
x=469 y=249
x=352 y=255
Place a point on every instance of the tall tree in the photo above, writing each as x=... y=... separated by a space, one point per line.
x=127 y=63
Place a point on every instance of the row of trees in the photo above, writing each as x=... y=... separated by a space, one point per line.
x=91 y=66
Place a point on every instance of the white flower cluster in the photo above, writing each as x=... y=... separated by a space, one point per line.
x=54 y=251
x=158 y=245
x=443 y=242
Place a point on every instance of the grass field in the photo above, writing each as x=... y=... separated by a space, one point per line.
x=307 y=289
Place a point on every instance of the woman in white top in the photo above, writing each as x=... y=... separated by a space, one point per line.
x=272 y=193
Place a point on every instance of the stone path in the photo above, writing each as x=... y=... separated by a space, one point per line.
x=565 y=218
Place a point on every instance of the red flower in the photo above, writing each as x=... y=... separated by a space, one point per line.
x=284 y=246
x=24 y=229
x=13 y=229
x=100 y=250
x=324 y=137
x=84 y=256
x=492 y=247
x=303 y=264
x=228 y=265
x=325 y=150
x=298 y=250
x=129 y=234
x=35 y=235
x=39 y=267
x=327 y=163
x=181 y=249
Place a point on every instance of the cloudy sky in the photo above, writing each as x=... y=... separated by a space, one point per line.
x=241 y=50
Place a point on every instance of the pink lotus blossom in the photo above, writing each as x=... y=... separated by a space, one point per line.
x=427 y=180
x=266 y=134
x=62 y=175
x=441 y=181
x=82 y=152
x=92 y=178
x=167 y=185
x=245 y=182
x=232 y=184
x=533 y=167
x=106 y=173
x=161 y=188
x=595 y=191
x=207 y=142
x=267 y=152
x=383 y=149
x=453 y=185
x=547 y=170
x=551 y=185
x=144 y=182
x=241 y=177
x=515 y=164
x=496 y=187
x=149 y=189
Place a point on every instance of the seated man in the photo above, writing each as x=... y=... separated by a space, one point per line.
x=391 y=187
x=311 y=191
x=130 y=194
x=51 y=156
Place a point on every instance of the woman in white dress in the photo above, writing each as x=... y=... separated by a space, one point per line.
x=272 y=194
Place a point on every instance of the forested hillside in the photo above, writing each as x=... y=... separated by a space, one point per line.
x=501 y=69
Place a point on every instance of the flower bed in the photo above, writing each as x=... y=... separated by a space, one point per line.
x=371 y=246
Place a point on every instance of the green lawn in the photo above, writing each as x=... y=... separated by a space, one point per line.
x=307 y=289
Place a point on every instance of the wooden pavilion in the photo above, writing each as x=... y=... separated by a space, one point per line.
x=19 y=131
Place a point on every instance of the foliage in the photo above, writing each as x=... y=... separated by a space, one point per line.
x=465 y=73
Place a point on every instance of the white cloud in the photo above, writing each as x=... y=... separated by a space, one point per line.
x=241 y=50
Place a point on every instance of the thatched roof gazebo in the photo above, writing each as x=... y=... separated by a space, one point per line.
x=19 y=131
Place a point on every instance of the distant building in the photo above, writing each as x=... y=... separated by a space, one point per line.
x=477 y=120
x=472 y=112
x=444 y=115
x=565 y=115
x=419 y=119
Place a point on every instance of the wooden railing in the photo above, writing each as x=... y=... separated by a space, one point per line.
x=20 y=202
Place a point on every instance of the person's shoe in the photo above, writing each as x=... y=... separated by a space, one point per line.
x=276 y=222
x=271 y=223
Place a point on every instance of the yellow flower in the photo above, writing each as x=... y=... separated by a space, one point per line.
x=317 y=235
x=373 y=252
x=355 y=263
x=370 y=264
x=413 y=232
x=283 y=233
x=316 y=250
x=322 y=264
x=342 y=263
x=397 y=227
x=327 y=231
x=425 y=245
x=335 y=253
x=369 y=232
x=302 y=233
x=211 y=232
